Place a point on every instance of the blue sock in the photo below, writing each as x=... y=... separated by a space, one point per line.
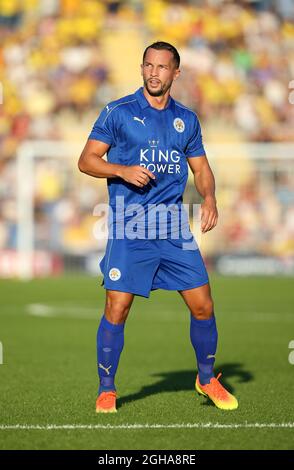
x=203 y=334
x=110 y=343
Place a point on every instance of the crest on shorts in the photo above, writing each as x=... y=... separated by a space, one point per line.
x=179 y=125
x=114 y=274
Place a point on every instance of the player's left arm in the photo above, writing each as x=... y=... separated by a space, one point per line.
x=205 y=185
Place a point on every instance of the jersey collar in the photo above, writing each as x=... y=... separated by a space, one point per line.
x=143 y=102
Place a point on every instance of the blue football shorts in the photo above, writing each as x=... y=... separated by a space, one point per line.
x=141 y=265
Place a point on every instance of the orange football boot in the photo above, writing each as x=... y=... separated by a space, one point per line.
x=106 y=402
x=217 y=393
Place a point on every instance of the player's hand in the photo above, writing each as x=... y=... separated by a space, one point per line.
x=209 y=214
x=137 y=175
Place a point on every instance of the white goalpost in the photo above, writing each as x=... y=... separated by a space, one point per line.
x=26 y=155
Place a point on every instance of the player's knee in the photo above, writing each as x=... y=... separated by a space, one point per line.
x=116 y=310
x=203 y=311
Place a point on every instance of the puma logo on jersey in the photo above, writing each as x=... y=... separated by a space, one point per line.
x=210 y=356
x=140 y=120
x=105 y=368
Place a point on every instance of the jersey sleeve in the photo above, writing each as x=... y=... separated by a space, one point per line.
x=104 y=127
x=195 y=147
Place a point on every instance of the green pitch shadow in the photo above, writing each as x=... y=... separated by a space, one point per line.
x=176 y=381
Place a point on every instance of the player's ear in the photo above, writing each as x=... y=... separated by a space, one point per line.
x=141 y=66
x=177 y=74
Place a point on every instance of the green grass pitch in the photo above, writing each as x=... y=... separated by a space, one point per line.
x=48 y=376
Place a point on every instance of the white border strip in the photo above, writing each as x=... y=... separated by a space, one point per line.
x=57 y=427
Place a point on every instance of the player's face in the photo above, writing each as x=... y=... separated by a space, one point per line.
x=159 y=71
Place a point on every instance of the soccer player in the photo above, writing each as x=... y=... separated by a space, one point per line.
x=150 y=139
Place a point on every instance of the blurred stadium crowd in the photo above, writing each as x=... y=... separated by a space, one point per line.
x=61 y=62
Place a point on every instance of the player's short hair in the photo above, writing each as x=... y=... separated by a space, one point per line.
x=161 y=45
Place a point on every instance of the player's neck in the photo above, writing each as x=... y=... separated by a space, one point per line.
x=157 y=102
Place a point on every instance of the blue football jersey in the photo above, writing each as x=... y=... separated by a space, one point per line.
x=160 y=140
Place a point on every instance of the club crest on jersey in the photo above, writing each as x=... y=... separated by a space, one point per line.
x=179 y=125
x=114 y=274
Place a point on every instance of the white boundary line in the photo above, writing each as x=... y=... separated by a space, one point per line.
x=69 y=310
x=57 y=427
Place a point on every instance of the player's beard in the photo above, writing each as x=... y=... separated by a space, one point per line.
x=161 y=91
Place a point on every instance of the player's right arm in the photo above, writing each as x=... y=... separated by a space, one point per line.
x=92 y=163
